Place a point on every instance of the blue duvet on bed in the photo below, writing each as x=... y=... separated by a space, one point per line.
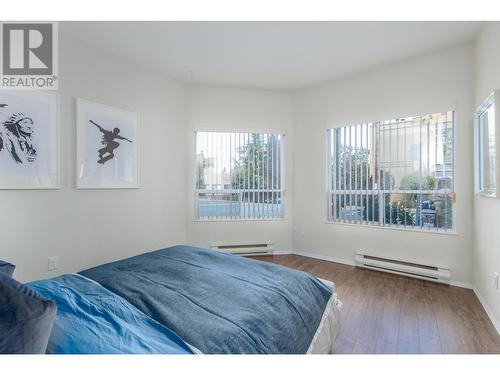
x=221 y=303
x=92 y=320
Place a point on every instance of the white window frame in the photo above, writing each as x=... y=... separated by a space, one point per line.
x=478 y=145
x=380 y=193
x=281 y=191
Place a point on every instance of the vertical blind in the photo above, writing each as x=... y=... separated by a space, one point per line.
x=239 y=176
x=396 y=173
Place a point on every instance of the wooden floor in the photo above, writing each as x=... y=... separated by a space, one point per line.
x=385 y=313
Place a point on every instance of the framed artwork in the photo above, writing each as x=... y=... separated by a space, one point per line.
x=29 y=140
x=107 y=147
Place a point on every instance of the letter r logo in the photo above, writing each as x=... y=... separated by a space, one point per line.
x=27 y=49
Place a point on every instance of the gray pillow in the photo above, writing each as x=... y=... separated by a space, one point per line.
x=26 y=318
x=7 y=268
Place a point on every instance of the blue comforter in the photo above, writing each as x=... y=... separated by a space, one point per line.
x=92 y=320
x=221 y=303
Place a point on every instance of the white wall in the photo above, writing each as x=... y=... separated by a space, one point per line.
x=487 y=210
x=439 y=81
x=226 y=109
x=85 y=227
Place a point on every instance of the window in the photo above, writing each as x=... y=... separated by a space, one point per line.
x=239 y=176
x=397 y=173
x=485 y=132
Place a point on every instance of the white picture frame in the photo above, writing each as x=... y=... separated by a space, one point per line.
x=486 y=154
x=29 y=140
x=108 y=145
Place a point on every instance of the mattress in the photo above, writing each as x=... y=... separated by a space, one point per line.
x=329 y=327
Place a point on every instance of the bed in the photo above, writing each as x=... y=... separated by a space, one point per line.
x=92 y=320
x=225 y=304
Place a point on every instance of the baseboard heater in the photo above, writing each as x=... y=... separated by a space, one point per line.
x=250 y=249
x=405 y=268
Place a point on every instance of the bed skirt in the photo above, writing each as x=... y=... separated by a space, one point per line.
x=328 y=329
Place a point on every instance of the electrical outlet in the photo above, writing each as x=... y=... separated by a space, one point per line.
x=495 y=279
x=299 y=231
x=53 y=263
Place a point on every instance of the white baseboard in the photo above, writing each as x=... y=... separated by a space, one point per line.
x=282 y=252
x=324 y=257
x=489 y=312
x=461 y=284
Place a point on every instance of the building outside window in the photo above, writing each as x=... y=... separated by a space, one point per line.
x=239 y=176
x=396 y=173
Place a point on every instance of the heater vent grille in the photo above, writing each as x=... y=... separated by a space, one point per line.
x=401 y=262
x=403 y=267
x=249 y=249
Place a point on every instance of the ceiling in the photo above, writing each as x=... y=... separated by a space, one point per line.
x=267 y=55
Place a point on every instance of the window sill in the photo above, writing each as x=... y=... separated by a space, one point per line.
x=491 y=195
x=236 y=220
x=450 y=232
